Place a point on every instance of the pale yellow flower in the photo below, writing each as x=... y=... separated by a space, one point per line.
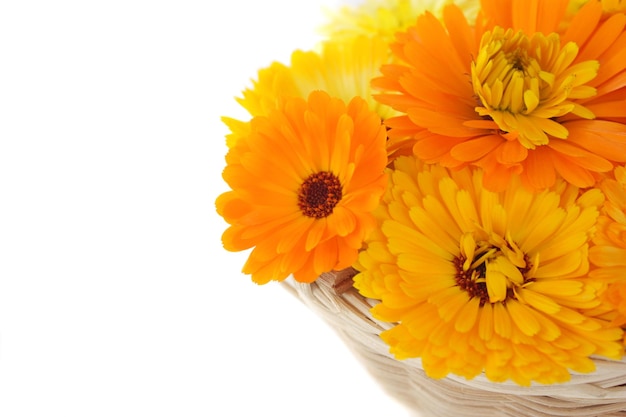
x=342 y=68
x=383 y=18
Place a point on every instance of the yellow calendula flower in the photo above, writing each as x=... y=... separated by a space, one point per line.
x=608 y=6
x=383 y=18
x=482 y=281
x=517 y=92
x=608 y=253
x=342 y=68
x=304 y=182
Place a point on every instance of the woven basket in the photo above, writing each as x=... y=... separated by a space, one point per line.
x=602 y=393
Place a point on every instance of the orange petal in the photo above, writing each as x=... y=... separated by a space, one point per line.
x=511 y=152
x=539 y=173
x=475 y=148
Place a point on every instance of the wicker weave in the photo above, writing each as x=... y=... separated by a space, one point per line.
x=602 y=393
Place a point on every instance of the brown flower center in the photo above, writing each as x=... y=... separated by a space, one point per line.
x=470 y=282
x=319 y=194
x=492 y=270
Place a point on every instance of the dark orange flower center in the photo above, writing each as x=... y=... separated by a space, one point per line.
x=319 y=194
x=467 y=282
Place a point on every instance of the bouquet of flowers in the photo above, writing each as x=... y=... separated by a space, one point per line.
x=457 y=170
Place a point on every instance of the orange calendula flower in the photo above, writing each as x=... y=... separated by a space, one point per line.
x=517 y=93
x=482 y=281
x=304 y=182
x=609 y=252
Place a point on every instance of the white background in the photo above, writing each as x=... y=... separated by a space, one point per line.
x=116 y=297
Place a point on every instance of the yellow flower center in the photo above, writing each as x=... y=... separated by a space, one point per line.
x=319 y=194
x=524 y=82
x=492 y=269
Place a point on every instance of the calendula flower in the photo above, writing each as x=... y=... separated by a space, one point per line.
x=383 y=18
x=343 y=68
x=615 y=298
x=482 y=281
x=304 y=182
x=515 y=94
x=609 y=250
x=608 y=6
